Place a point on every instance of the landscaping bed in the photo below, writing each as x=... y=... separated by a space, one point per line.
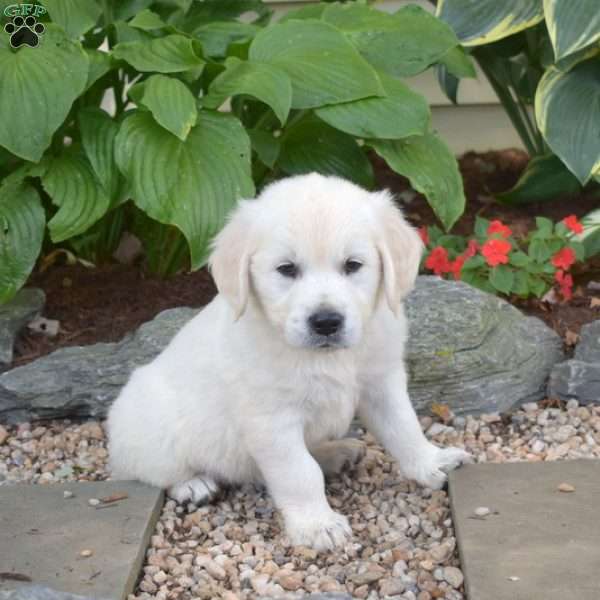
x=104 y=303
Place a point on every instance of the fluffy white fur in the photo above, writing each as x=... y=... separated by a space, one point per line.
x=247 y=391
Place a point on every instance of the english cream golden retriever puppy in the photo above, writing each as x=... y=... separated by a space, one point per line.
x=308 y=330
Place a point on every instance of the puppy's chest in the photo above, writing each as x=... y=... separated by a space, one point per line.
x=330 y=405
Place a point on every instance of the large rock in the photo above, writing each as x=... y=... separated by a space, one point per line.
x=16 y=314
x=83 y=380
x=474 y=351
x=467 y=349
x=579 y=378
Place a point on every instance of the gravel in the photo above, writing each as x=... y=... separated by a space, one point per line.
x=403 y=544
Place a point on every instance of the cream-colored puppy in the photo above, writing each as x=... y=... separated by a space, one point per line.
x=307 y=330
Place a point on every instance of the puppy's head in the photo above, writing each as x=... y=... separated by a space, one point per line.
x=316 y=254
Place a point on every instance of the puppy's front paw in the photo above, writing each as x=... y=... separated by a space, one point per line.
x=198 y=490
x=432 y=468
x=324 y=532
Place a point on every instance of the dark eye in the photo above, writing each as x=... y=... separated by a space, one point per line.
x=288 y=270
x=351 y=266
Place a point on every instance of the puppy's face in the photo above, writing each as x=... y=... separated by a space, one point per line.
x=316 y=254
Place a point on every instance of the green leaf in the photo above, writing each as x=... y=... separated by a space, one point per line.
x=572 y=25
x=312 y=145
x=502 y=278
x=72 y=186
x=544 y=226
x=448 y=82
x=210 y=11
x=545 y=178
x=579 y=249
x=37 y=88
x=171 y=103
x=458 y=63
x=590 y=238
x=479 y=22
x=170 y=54
x=322 y=64
x=265 y=145
x=98 y=133
x=432 y=170
x=481 y=227
x=537 y=285
x=521 y=284
x=147 y=20
x=191 y=184
x=539 y=250
x=519 y=259
x=475 y=262
x=74 y=16
x=567 y=110
x=125 y=33
x=402 y=44
x=477 y=280
x=398 y=115
x=125 y=9
x=216 y=37
x=265 y=82
x=22 y=223
x=312 y=11
x=100 y=64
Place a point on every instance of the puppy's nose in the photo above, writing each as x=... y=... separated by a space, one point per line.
x=326 y=322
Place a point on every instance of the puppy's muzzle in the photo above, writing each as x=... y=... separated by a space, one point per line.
x=326 y=323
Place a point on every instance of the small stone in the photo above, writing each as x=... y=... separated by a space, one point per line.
x=391 y=587
x=566 y=487
x=530 y=407
x=3 y=435
x=514 y=578
x=453 y=576
x=482 y=511
x=86 y=553
x=215 y=570
x=68 y=494
x=160 y=577
x=290 y=580
x=93 y=502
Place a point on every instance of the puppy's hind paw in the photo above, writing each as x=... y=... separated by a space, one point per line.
x=321 y=533
x=198 y=490
x=432 y=471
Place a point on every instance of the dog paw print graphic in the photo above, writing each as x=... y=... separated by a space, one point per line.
x=24 y=31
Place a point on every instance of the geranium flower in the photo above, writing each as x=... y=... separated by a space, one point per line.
x=456 y=266
x=572 y=223
x=499 y=227
x=565 y=281
x=564 y=258
x=424 y=235
x=438 y=260
x=471 y=250
x=496 y=252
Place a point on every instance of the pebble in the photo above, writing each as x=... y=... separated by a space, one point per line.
x=453 y=576
x=68 y=494
x=86 y=553
x=93 y=502
x=3 y=435
x=482 y=511
x=566 y=487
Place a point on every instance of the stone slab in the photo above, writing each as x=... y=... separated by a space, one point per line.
x=42 y=535
x=542 y=544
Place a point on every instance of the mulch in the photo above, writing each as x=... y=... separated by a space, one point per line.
x=105 y=303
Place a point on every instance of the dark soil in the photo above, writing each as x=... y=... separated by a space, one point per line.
x=103 y=304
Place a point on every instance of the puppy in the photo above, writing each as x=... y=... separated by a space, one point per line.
x=307 y=330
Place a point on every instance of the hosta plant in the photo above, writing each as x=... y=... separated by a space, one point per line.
x=542 y=57
x=212 y=99
x=497 y=261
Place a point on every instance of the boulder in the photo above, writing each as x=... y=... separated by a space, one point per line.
x=474 y=351
x=14 y=315
x=579 y=378
x=467 y=349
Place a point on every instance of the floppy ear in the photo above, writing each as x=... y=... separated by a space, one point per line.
x=400 y=249
x=229 y=261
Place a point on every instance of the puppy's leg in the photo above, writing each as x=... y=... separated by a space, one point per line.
x=334 y=455
x=387 y=411
x=296 y=483
x=198 y=490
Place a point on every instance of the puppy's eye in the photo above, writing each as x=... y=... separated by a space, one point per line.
x=288 y=270
x=351 y=266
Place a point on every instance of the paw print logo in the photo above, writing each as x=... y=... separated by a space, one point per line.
x=24 y=31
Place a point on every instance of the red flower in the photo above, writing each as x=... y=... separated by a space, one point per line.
x=471 y=250
x=438 y=261
x=456 y=266
x=573 y=224
x=496 y=252
x=565 y=281
x=499 y=227
x=564 y=258
x=424 y=234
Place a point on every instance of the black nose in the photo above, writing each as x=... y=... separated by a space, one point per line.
x=326 y=322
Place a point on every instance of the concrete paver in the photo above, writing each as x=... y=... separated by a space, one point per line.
x=539 y=543
x=43 y=535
